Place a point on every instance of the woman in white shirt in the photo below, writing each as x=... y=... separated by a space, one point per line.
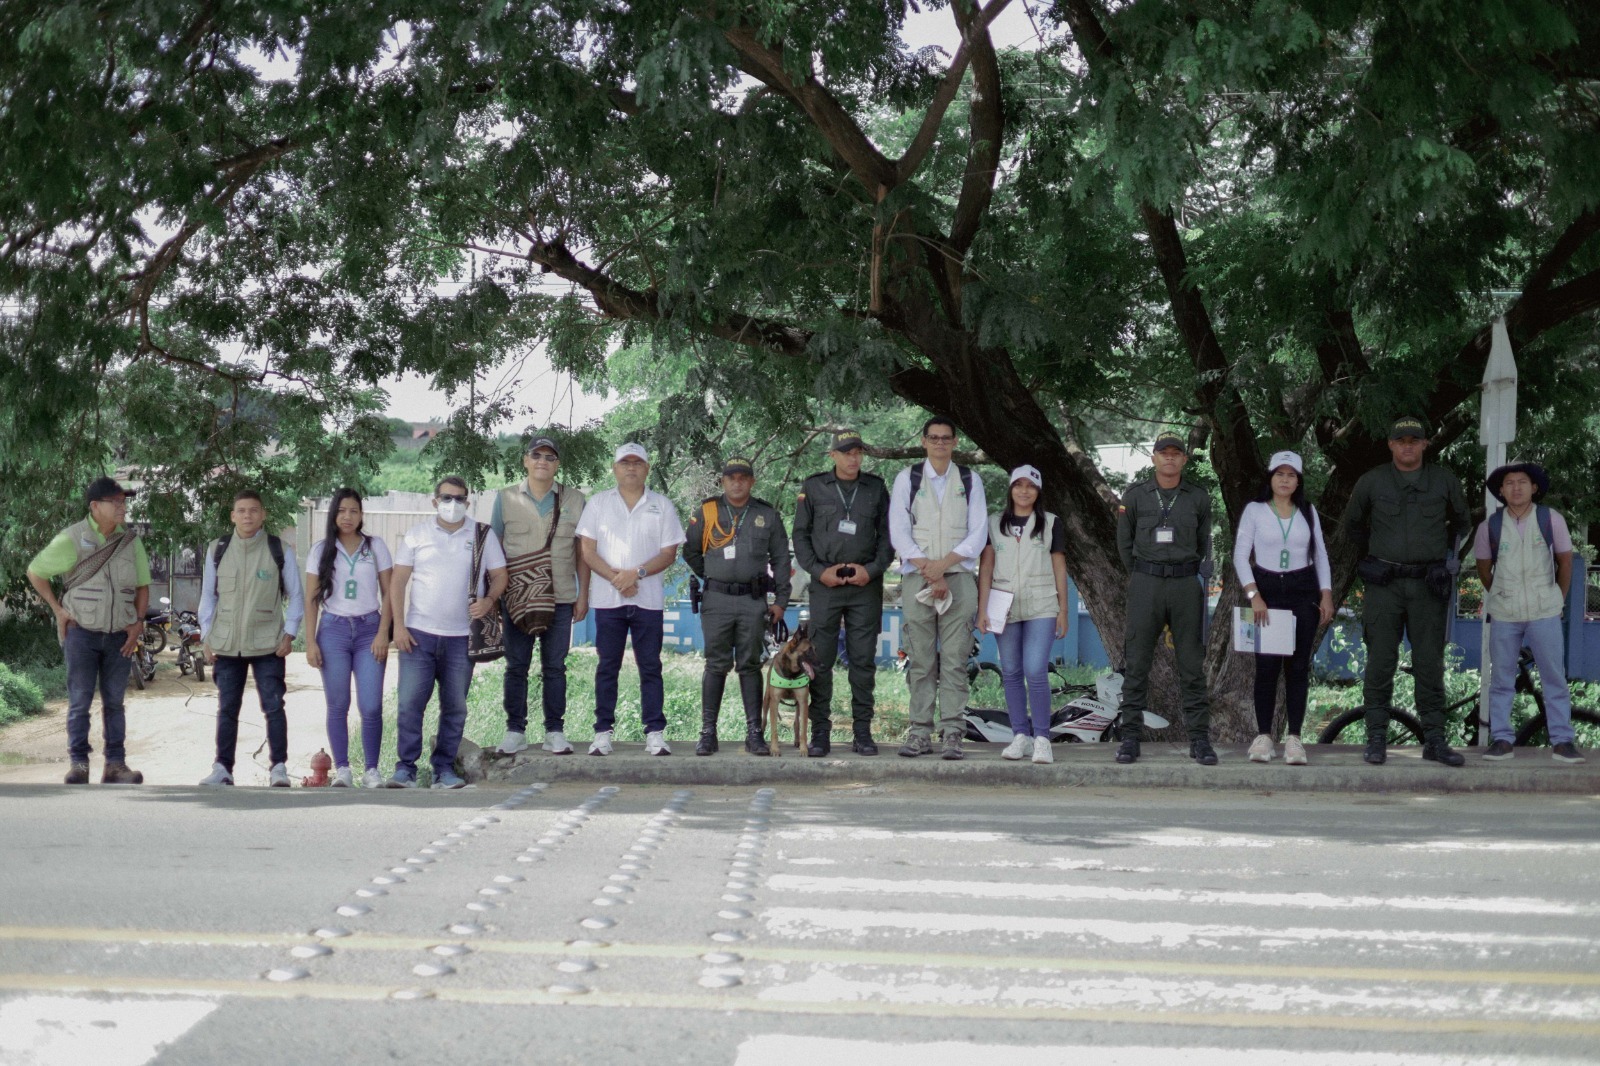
x=1025 y=559
x=347 y=592
x=1282 y=530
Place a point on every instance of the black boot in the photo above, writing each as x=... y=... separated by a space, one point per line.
x=1436 y=750
x=750 y=692
x=711 y=685
x=863 y=743
x=821 y=742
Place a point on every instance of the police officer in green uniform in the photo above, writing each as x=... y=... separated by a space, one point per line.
x=841 y=538
x=1405 y=519
x=737 y=546
x=1164 y=536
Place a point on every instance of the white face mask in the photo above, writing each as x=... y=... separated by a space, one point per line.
x=452 y=511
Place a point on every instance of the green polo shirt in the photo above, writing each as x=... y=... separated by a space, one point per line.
x=61 y=555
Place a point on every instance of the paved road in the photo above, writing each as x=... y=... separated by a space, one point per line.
x=571 y=922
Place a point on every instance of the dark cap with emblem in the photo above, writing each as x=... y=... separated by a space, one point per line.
x=846 y=440
x=1408 y=426
x=105 y=488
x=738 y=464
x=1535 y=472
x=541 y=442
x=1170 y=439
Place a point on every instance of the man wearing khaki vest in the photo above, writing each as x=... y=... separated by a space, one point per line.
x=99 y=619
x=938 y=523
x=251 y=604
x=522 y=519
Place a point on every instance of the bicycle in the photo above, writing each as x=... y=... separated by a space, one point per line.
x=1406 y=728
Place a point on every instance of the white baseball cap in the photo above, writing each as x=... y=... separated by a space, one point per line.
x=1289 y=459
x=1026 y=473
x=630 y=448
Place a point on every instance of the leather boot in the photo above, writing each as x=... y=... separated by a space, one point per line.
x=711 y=686
x=863 y=743
x=750 y=692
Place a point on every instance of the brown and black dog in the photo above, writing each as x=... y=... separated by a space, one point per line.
x=795 y=661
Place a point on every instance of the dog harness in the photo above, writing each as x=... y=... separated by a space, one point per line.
x=788 y=682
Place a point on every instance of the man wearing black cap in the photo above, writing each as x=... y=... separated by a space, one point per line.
x=537 y=522
x=1524 y=557
x=737 y=546
x=1164 y=537
x=99 y=619
x=1405 y=519
x=841 y=539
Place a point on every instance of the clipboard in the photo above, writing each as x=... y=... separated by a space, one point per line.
x=1275 y=638
x=999 y=607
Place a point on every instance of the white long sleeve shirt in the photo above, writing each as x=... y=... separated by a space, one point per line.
x=1261 y=531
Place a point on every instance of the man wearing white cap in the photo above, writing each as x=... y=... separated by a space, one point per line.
x=1524 y=557
x=629 y=536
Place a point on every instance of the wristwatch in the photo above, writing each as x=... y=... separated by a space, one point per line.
x=641 y=573
x=1250 y=593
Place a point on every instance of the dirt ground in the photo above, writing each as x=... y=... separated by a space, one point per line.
x=172 y=730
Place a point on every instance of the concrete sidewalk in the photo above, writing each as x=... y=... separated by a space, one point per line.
x=1336 y=768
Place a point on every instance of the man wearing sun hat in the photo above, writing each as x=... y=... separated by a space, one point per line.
x=1405 y=519
x=99 y=619
x=1524 y=557
x=1164 y=537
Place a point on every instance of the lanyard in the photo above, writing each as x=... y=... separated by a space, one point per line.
x=850 y=505
x=738 y=520
x=1283 y=556
x=1166 y=504
x=353 y=558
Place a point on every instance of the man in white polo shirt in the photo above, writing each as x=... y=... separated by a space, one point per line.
x=431 y=589
x=629 y=536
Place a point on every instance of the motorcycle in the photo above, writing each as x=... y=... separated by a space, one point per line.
x=190 y=657
x=1085 y=718
x=144 y=666
x=156 y=620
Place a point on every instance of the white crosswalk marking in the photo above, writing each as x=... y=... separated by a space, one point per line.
x=71 y=1031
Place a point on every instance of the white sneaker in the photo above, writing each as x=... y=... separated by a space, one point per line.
x=278 y=776
x=656 y=744
x=1261 y=748
x=1042 y=751
x=219 y=775
x=601 y=744
x=555 y=742
x=372 y=779
x=1294 y=752
x=513 y=742
x=342 y=778
x=1019 y=748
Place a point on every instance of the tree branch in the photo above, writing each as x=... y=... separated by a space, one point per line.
x=928 y=132
x=987 y=131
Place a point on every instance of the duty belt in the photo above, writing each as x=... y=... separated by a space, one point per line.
x=729 y=589
x=1166 y=569
x=1412 y=570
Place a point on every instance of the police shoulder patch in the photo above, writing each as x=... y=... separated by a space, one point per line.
x=761 y=521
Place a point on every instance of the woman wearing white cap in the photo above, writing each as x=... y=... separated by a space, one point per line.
x=1026 y=559
x=1290 y=573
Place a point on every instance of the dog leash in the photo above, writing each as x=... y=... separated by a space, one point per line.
x=779 y=631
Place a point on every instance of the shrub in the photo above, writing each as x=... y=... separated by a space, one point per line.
x=19 y=696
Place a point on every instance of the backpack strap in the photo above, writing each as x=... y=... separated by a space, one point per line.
x=274 y=547
x=916 y=482
x=1541 y=514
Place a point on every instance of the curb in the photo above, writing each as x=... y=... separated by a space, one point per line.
x=1333 y=768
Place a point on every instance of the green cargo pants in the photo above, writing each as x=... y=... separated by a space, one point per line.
x=1404 y=607
x=1156 y=603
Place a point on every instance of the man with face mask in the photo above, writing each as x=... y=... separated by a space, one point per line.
x=430 y=588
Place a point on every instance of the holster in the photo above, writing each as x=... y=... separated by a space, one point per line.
x=1439 y=580
x=1375 y=571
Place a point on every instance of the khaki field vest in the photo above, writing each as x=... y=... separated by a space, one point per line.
x=1024 y=570
x=1524 y=588
x=938 y=525
x=249 y=618
x=526 y=529
x=105 y=602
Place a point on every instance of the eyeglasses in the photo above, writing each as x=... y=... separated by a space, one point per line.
x=939 y=438
x=445 y=497
x=115 y=501
x=544 y=457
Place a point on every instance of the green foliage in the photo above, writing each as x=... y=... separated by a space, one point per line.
x=19 y=695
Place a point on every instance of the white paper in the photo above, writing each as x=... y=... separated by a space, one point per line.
x=1274 y=638
x=999 y=607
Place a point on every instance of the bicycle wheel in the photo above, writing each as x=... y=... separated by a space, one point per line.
x=1535 y=734
x=1351 y=728
x=154 y=639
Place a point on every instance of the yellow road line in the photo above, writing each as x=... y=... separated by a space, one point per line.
x=724 y=1003
x=819 y=956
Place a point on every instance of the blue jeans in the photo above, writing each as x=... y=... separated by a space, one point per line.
x=1543 y=637
x=554 y=643
x=346 y=645
x=441 y=659
x=95 y=660
x=230 y=672
x=1025 y=670
x=612 y=628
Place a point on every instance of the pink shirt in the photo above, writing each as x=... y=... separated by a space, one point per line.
x=1558 y=533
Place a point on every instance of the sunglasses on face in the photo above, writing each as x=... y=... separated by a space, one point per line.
x=445 y=497
x=938 y=438
x=544 y=457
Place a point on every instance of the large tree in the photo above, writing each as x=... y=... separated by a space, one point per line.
x=1281 y=223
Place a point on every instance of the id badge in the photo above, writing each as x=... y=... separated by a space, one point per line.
x=1164 y=535
x=350 y=589
x=847 y=527
x=730 y=552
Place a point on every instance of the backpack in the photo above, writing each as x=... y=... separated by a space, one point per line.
x=916 y=482
x=274 y=545
x=1541 y=514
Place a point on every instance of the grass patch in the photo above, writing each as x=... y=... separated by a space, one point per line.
x=32 y=670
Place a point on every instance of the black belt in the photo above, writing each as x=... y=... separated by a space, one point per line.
x=729 y=589
x=1411 y=570
x=1166 y=569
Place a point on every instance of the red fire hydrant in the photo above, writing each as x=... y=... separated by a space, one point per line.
x=321 y=763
